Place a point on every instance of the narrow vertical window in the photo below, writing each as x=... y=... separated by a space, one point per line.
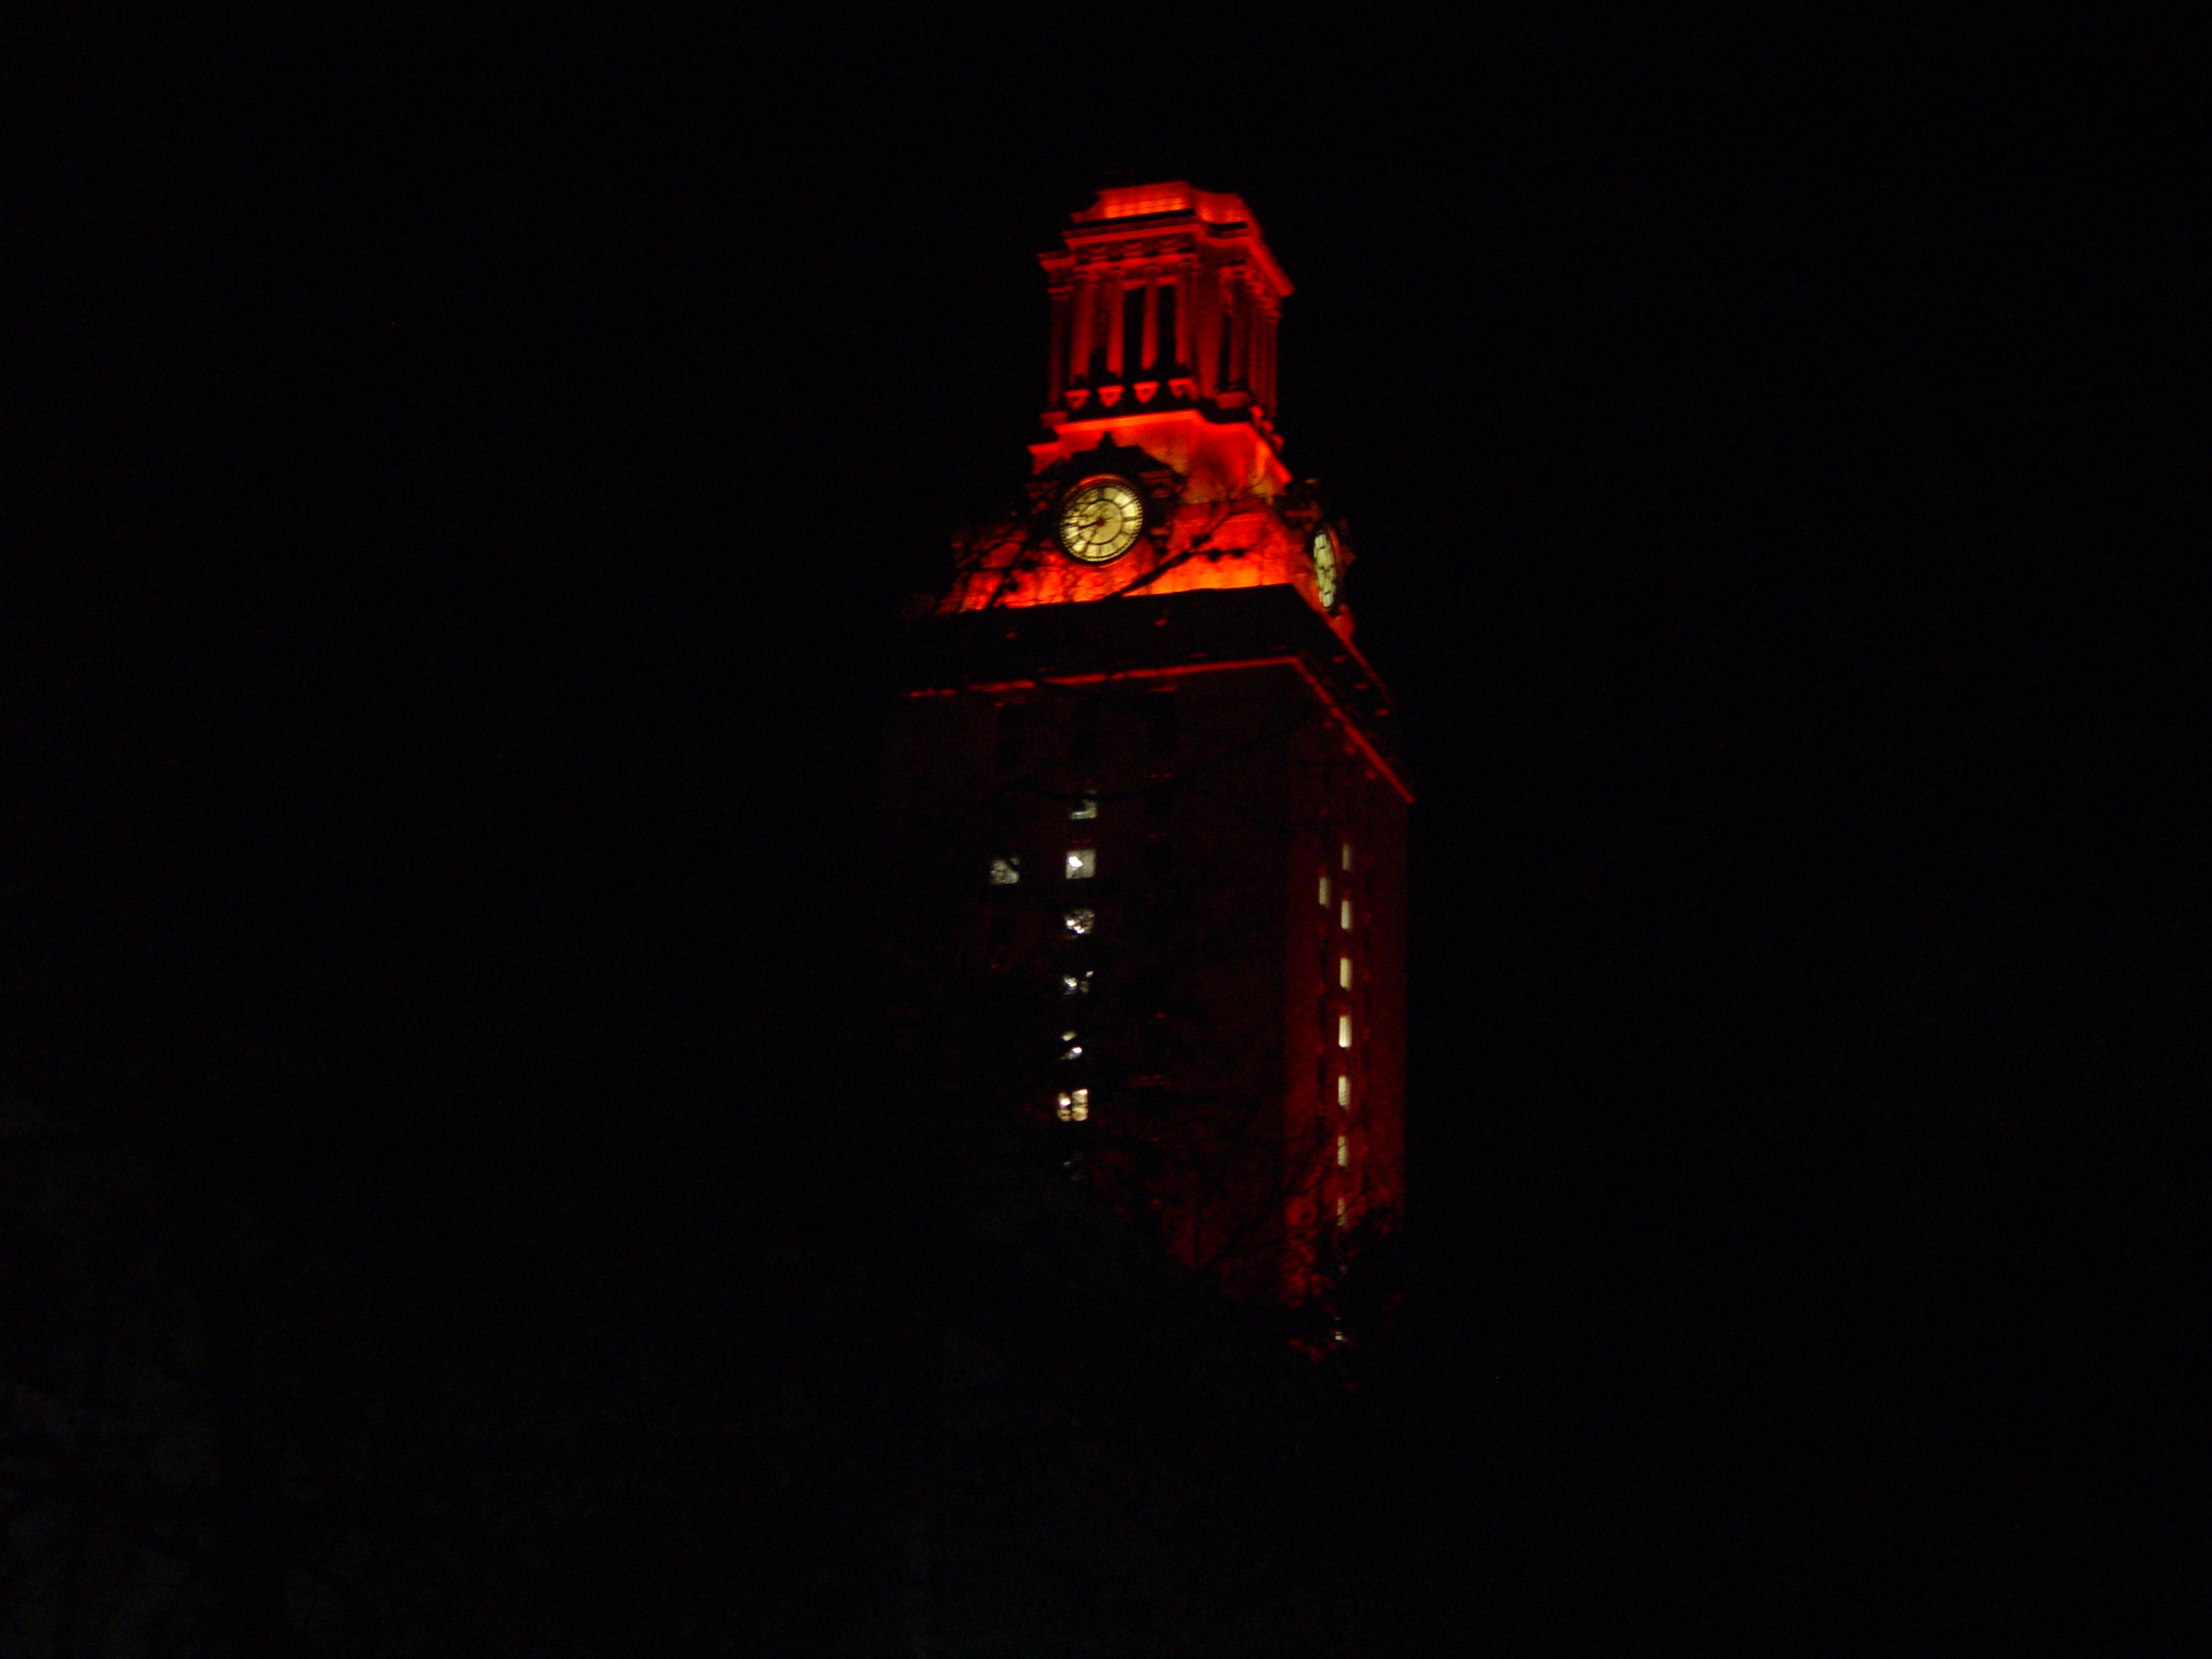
x=1082 y=863
x=1097 y=314
x=1347 y=854
x=1170 y=347
x=1074 y=1105
x=1132 y=332
x=1343 y=916
x=1344 y=1151
x=1344 y=973
x=1344 y=1090
x=1344 y=1031
x=1325 y=892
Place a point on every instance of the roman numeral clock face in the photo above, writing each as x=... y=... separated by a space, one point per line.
x=1101 y=520
x=1325 y=568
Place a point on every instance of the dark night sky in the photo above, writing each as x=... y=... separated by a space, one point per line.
x=459 y=481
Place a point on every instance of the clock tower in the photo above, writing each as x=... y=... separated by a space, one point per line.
x=1144 y=799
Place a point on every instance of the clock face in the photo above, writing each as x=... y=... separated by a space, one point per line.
x=1325 y=568
x=1100 y=520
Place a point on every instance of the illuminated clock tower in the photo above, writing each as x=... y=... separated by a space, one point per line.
x=1142 y=787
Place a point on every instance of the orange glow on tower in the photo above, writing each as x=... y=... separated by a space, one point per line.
x=1143 y=784
x=1161 y=370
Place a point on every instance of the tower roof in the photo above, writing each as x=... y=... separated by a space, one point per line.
x=1123 y=210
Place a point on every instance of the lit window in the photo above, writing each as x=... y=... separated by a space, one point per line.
x=1080 y=922
x=1075 y=1105
x=1343 y=916
x=1344 y=1031
x=1342 y=1208
x=1074 y=1050
x=1086 y=806
x=1344 y=1151
x=1325 y=892
x=1082 y=863
x=1076 y=984
x=1347 y=856
x=1344 y=972
x=1344 y=1091
x=1005 y=872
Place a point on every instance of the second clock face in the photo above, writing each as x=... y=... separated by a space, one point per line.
x=1101 y=520
x=1325 y=568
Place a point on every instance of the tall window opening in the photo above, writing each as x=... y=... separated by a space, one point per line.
x=1171 y=351
x=1095 y=315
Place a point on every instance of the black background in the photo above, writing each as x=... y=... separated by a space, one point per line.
x=461 y=482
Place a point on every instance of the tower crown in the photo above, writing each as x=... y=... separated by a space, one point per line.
x=1165 y=298
x=1162 y=471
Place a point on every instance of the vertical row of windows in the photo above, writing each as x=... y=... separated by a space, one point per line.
x=1079 y=925
x=1340 y=900
x=1080 y=863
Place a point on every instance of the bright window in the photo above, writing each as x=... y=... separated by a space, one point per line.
x=1082 y=863
x=1086 y=806
x=1344 y=1091
x=1075 y=1105
x=1080 y=922
x=1347 y=854
x=1343 y=916
x=1076 y=984
x=1325 y=892
x=1344 y=972
x=1005 y=872
x=1344 y=1031
x=1344 y=1151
